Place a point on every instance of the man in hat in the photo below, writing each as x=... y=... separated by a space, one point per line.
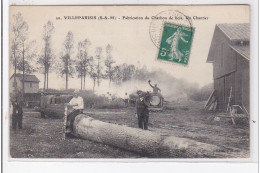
x=17 y=115
x=77 y=104
x=142 y=110
x=42 y=105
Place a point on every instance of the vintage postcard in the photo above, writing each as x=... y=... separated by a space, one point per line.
x=129 y=81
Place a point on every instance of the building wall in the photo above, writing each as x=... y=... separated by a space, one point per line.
x=243 y=82
x=224 y=56
x=220 y=92
x=11 y=85
x=238 y=80
x=29 y=87
x=230 y=69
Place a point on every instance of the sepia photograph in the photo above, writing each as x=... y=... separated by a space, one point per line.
x=129 y=82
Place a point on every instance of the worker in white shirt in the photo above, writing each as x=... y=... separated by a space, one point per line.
x=77 y=104
x=126 y=99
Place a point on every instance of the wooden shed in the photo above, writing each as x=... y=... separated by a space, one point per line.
x=31 y=88
x=230 y=54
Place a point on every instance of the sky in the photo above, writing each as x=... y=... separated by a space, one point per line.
x=131 y=39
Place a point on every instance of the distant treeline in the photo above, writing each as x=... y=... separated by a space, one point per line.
x=75 y=60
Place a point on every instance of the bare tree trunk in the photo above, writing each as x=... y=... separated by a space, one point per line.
x=98 y=74
x=84 y=77
x=81 y=77
x=67 y=72
x=47 y=80
x=110 y=79
x=45 y=65
x=66 y=81
x=15 y=64
x=23 y=73
x=94 y=84
x=44 y=83
x=110 y=76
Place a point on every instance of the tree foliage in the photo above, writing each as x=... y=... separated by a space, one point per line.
x=19 y=31
x=99 y=65
x=29 y=53
x=82 y=61
x=93 y=71
x=66 y=60
x=47 y=59
x=22 y=51
x=109 y=64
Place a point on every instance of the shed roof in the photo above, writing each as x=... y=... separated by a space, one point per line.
x=27 y=77
x=239 y=36
x=236 y=31
x=242 y=50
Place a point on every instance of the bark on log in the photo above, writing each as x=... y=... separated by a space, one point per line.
x=144 y=142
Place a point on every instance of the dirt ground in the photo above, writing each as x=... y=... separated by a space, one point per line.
x=42 y=138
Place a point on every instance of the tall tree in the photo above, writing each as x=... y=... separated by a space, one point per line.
x=46 y=64
x=86 y=59
x=83 y=61
x=109 y=64
x=23 y=47
x=99 y=66
x=93 y=71
x=128 y=72
x=79 y=63
x=117 y=77
x=67 y=62
x=123 y=73
x=19 y=31
x=28 y=53
x=47 y=58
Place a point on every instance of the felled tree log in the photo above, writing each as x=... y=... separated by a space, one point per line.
x=144 y=142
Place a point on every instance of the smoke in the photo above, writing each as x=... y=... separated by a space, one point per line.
x=171 y=88
x=128 y=87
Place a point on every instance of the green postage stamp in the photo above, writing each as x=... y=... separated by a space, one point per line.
x=176 y=43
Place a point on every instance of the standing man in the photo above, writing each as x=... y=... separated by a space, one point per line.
x=126 y=100
x=77 y=104
x=42 y=104
x=17 y=116
x=155 y=88
x=142 y=111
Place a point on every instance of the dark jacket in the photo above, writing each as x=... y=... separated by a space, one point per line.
x=141 y=107
x=17 y=109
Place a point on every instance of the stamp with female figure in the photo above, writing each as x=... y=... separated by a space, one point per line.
x=176 y=43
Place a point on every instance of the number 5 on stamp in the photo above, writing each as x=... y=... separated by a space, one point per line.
x=176 y=43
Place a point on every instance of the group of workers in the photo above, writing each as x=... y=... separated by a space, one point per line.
x=77 y=105
x=142 y=110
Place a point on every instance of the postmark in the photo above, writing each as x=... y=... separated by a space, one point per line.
x=169 y=40
x=176 y=43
